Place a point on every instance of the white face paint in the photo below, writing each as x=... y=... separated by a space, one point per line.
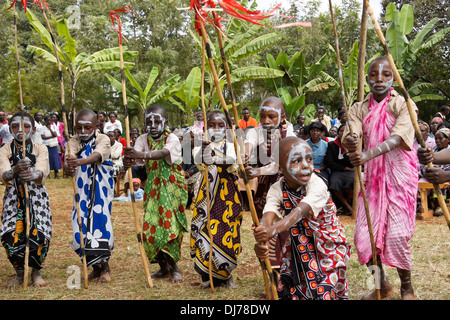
x=19 y=134
x=299 y=151
x=385 y=86
x=271 y=126
x=217 y=135
x=83 y=135
x=155 y=124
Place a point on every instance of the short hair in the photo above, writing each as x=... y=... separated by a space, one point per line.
x=443 y=108
x=84 y=112
x=317 y=125
x=157 y=108
x=213 y=112
x=25 y=115
x=245 y=108
x=276 y=101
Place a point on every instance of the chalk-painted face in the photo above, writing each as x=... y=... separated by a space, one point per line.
x=270 y=117
x=380 y=78
x=85 y=127
x=299 y=165
x=216 y=126
x=155 y=123
x=17 y=130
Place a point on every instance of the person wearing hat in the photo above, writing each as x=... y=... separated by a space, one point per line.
x=319 y=147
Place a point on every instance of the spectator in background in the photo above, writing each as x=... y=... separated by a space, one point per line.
x=322 y=118
x=36 y=138
x=3 y=121
x=319 y=147
x=49 y=138
x=443 y=112
x=101 y=118
x=113 y=123
x=342 y=171
x=120 y=139
x=247 y=120
x=434 y=123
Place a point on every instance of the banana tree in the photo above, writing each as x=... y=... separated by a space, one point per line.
x=74 y=64
x=142 y=97
x=241 y=46
x=407 y=52
x=298 y=80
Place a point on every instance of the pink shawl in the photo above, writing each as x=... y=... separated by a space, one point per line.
x=391 y=186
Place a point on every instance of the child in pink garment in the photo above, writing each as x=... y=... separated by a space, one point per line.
x=390 y=176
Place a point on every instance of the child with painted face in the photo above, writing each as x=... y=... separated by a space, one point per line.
x=300 y=208
x=261 y=170
x=15 y=172
x=165 y=192
x=382 y=120
x=226 y=210
x=89 y=162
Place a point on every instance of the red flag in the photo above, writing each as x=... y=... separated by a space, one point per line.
x=115 y=16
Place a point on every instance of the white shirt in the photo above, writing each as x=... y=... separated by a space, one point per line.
x=316 y=197
x=109 y=126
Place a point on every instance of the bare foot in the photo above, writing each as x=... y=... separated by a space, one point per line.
x=407 y=294
x=38 y=282
x=105 y=274
x=384 y=293
x=175 y=277
x=231 y=284
x=96 y=271
x=160 y=274
x=17 y=281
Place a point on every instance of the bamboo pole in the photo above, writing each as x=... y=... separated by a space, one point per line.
x=24 y=155
x=265 y=262
x=411 y=110
x=206 y=171
x=357 y=168
x=66 y=133
x=360 y=96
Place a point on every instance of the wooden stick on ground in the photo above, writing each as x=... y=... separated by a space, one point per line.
x=266 y=262
x=66 y=133
x=411 y=110
x=360 y=96
x=206 y=172
x=114 y=15
x=357 y=168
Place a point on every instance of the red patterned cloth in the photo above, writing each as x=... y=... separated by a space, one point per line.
x=315 y=255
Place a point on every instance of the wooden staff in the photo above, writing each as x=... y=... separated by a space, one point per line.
x=206 y=172
x=66 y=133
x=265 y=262
x=114 y=15
x=411 y=110
x=360 y=96
x=357 y=168
x=24 y=154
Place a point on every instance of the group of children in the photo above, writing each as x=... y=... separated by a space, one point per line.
x=299 y=229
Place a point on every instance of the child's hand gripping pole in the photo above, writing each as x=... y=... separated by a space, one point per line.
x=358 y=174
x=412 y=112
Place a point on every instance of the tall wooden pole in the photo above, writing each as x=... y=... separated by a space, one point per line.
x=411 y=110
x=206 y=171
x=357 y=168
x=114 y=15
x=360 y=96
x=24 y=156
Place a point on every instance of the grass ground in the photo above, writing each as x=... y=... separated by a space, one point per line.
x=430 y=276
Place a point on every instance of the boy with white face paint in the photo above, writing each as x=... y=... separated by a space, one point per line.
x=15 y=172
x=261 y=168
x=300 y=209
x=382 y=120
x=165 y=192
x=89 y=161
